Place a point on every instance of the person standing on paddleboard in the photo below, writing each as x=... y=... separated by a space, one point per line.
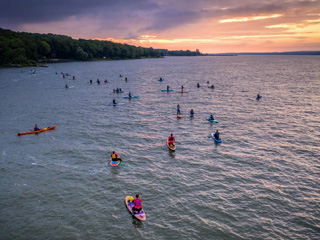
x=178 y=109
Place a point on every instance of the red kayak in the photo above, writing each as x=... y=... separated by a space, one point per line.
x=40 y=130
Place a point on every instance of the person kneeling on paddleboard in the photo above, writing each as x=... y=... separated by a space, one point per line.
x=36 y=128
x=114 y=157
x=137 y=204
x=171 y=139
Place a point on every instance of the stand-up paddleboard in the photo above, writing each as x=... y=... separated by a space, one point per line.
x=216 y=140
x=214 y=121
x=181 y=92
x=165 y=90
x=171 y=147
x=115 y=163
x=141 y=215
x=131 y=97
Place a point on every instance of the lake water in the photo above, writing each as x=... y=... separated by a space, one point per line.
x=261 y=182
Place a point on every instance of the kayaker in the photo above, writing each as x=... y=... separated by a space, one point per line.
x=212 y=86
x=106 y=81
x=171 y=139
x=66 y=86
x=211 y=117
x=36 y=128
x=114 y=157
x=217 y=135
x=168 y=87
x=137 y=204
x=178 y=109
x=191 y=112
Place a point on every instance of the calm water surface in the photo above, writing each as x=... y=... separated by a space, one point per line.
x=261 y=182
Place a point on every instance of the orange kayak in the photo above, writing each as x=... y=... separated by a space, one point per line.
x=41 y=130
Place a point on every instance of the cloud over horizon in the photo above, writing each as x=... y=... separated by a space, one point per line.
x=168 y=21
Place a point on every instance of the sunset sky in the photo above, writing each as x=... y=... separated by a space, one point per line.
x=213 y=26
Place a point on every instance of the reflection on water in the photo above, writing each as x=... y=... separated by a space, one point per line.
x=171 y=154
x=136 y=222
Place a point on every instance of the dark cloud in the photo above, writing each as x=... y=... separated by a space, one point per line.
x=128 y=18
x=18 y=12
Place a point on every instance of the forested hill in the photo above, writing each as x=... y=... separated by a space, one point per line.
x=20 y=48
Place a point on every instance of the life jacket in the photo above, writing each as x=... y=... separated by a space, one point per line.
x=171 y=139
x=114 y=156
x=137 y=203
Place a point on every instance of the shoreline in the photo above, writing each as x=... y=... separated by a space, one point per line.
x=48 y=61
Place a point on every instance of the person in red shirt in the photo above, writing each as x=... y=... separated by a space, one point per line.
x=171 y=139
x=137 y=204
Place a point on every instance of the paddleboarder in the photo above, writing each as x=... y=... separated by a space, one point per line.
x=137 y=205
x=171 y=139
x=217 y=135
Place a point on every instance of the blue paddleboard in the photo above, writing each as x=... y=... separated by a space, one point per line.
x=214 y=121
x=216 y=140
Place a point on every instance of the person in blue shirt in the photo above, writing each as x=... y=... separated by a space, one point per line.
x=211 y=117
x=36 y=128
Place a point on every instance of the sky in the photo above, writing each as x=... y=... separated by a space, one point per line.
x=212 y=26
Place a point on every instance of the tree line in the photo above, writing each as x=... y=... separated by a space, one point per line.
x=181 y=52
x=21 y=48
